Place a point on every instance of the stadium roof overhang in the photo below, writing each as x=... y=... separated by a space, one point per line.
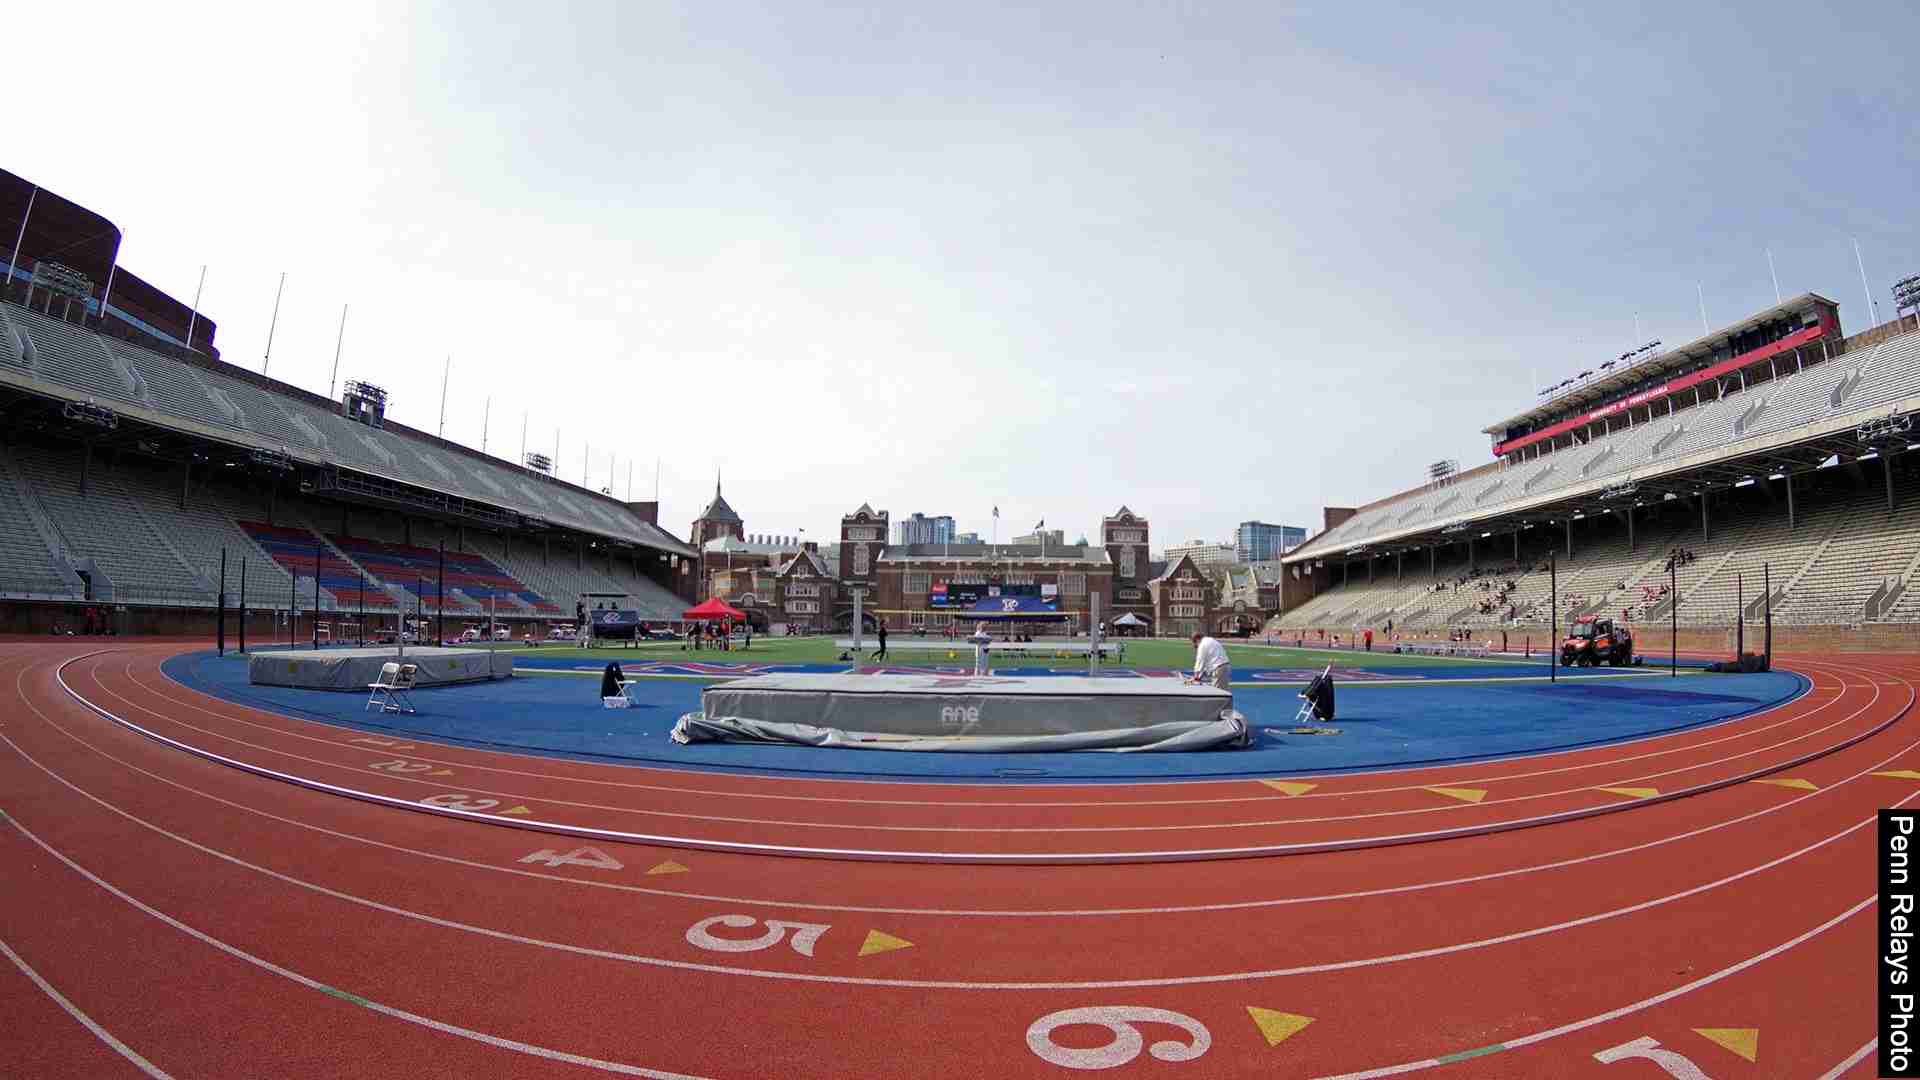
x=1602 y=387
x=28 y=402
x=1836 y=440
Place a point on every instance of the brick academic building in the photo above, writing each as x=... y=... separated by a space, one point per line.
x=782 y=581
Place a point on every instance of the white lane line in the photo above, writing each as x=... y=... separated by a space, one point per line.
x=1447 y=808
x=936 y=984
x=1804 y=691
x=999 y=913
x=86 y=1021
x=1624 y=1010
x=336 y=992
x=1852 y=1059
x=696 y=843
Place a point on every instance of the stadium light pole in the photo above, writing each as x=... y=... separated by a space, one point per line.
x=220 y=630
x=243 y=607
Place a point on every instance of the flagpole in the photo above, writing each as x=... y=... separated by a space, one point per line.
x=1872 y=308
x=195 y=320
x=274 y=324
x=340 y=339
x=112 y=269
x=445 y=372
x=486 y=419
x=21 y=238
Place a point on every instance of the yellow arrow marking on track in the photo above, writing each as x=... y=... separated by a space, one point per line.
x=1792 y=782
x=517 y=810
x=1277 y=1027
x=878 y=942
x=1289 y=787
x=1464 y=794
x=1901 y=774
x=1742 y=1041
x=668 y=867
x=1633 y=792
x=441 y=772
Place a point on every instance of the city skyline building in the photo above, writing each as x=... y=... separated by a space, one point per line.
x=918 y=528
x=1260 y=541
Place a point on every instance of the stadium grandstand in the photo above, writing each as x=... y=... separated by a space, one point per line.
x=134 y=460
x=1666 y=487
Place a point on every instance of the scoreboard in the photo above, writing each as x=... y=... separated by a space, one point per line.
x=944 y=594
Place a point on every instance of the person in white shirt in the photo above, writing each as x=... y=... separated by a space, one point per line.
x=1210 y=664
x=981 y=639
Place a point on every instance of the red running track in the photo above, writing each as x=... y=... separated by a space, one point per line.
x=171 y=915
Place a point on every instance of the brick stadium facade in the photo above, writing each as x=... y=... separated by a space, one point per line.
x=898 y=584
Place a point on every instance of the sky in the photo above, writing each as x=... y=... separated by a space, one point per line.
x=1215 y=262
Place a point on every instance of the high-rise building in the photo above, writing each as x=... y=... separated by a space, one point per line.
x=1206 y=556
x=918 y=528
x=1258 y=541
x=1053 y=538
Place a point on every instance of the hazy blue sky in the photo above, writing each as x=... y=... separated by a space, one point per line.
x=1217 y=262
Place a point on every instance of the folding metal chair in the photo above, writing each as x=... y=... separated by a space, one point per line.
x=1305 y=716
x=389 y=691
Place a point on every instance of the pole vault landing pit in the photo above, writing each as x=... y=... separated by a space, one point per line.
x=979 y=714
x=353 y=669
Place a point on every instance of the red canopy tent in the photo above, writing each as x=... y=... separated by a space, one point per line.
x=715 y=608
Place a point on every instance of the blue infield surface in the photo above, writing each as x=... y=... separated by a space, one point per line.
x=1428 y=715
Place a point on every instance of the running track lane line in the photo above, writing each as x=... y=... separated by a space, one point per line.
x=1012 y=913
x=933 y=984
x=86 y=1021
x=633 y=1070
x=1852 y=1059
x=1614 y=1014
x=345 y=995
x=882 y=855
